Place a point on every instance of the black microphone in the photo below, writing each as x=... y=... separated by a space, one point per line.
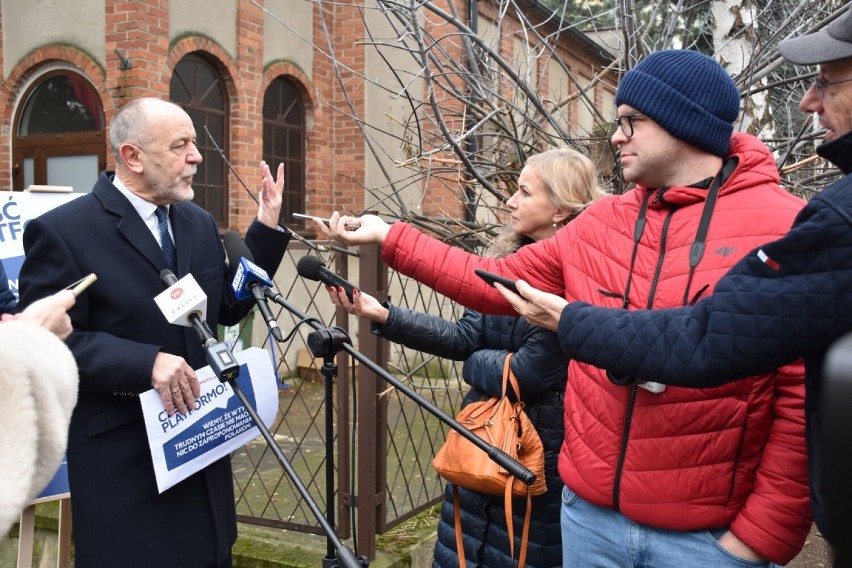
x=186 y=305
x=313 y=268
x=248 y=279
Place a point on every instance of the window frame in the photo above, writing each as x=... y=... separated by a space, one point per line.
x=212 y=157
x=295 y=191
x=40 y=147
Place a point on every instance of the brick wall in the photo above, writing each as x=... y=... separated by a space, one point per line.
x=335 y=148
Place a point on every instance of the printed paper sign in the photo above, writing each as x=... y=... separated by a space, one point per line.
x=219 y=424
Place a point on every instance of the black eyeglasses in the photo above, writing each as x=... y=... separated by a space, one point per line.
x=821 y=84
x=625 y=123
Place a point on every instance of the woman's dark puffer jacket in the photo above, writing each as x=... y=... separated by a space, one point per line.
x=483 y=342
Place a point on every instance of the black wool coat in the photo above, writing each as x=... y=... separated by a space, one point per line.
x=119 y=517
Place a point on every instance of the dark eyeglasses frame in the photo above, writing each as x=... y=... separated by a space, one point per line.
x=625 y=123
x=821 y=84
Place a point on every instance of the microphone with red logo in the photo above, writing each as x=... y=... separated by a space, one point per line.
x=184 y=303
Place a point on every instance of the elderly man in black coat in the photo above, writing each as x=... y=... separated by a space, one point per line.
x=124 y=346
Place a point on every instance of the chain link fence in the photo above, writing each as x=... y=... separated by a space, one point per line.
x=387 y=466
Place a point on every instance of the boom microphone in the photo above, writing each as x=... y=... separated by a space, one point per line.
x=184 y=303
x=313 y=268
x=249 y=279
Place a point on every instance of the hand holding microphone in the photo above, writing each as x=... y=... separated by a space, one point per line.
x=363 y=304
x=313 y=268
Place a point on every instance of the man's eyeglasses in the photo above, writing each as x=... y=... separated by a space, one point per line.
x=625 y=123
x=821 y=84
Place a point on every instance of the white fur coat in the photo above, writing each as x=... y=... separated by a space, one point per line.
x=38 y=391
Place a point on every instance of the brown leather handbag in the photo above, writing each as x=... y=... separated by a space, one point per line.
x=504 y=424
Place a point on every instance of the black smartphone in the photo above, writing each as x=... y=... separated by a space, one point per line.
x=491 y=278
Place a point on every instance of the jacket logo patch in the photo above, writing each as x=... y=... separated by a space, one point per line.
x=725 y=251
x=764 y=258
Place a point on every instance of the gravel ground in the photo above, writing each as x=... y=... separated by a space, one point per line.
x=815 y=553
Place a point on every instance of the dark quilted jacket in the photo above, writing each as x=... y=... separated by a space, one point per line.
x=483 y=343
x=790 y=298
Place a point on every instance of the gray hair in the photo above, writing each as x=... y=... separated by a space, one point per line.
x=129 y=124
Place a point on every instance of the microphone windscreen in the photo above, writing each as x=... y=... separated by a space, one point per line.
x=235 y=248
x=309 y=267
x=168 y=277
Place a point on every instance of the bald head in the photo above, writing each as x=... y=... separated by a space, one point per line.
x=131 y=124
x=154 y=145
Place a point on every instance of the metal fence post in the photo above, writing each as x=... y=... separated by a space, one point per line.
x=372 y=411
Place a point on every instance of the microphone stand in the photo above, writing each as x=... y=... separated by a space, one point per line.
x=333 y=541
x=326 y=343
x=504 y=460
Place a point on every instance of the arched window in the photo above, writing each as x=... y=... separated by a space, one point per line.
x=197 y=86
x=284 y=141
x=59 y=133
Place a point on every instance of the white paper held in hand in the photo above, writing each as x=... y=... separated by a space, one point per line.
x=183 y=444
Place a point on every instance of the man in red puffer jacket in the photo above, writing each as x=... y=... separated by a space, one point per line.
x=658 y=476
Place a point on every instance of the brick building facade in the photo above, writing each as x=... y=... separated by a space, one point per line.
x=259 y=74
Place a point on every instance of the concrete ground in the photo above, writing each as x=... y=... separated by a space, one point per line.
x=406 y=546
x=261 y=547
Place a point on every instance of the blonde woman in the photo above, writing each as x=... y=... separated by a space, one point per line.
x=553 y=187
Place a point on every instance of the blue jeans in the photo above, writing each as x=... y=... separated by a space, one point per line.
x=598 y=537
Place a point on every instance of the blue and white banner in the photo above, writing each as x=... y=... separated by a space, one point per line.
x=219 y=424
x=16 y=210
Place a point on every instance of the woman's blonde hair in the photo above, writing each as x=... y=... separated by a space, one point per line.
x=571 y=182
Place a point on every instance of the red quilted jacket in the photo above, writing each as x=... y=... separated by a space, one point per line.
x=684 y=459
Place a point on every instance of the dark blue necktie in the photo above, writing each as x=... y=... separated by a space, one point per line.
x=165 y=238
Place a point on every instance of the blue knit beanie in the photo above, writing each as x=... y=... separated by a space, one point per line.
x=688 y=94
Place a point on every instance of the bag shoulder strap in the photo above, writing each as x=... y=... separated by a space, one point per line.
x=457 y=518
x=509 y=378
x=700 y=242
x=510 y=525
